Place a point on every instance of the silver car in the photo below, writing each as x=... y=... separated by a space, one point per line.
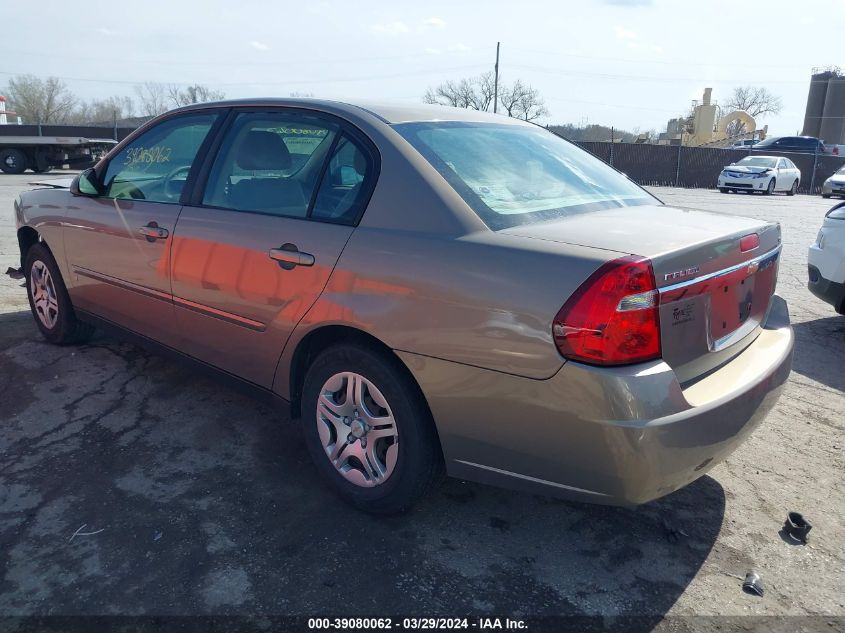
x=429 y=290
x=835 y=185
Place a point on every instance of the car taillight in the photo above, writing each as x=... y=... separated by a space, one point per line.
x=749 y=242
x=612 y=319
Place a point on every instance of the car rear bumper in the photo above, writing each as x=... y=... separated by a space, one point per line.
x=620 y=436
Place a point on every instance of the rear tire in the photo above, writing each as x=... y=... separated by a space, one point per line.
x=793 y=189
x=49 y=300
x=409 y=461
x=825 y=195
x=12 y=161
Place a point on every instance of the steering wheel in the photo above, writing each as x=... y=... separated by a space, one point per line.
x=168 y=179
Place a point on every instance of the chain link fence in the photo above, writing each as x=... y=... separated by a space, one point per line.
x=699 y=167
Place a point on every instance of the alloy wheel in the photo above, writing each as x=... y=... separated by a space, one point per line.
x=44 y=296
x=357 y=429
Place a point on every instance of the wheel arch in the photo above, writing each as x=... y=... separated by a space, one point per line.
x=27 y=238
x=323 y=337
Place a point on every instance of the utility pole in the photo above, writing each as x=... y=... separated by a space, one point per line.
x=496 y=81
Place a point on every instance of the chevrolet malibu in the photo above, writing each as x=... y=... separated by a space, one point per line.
x=430 y=290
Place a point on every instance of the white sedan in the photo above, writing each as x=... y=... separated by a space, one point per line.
x=826 y=259
x=765 y=174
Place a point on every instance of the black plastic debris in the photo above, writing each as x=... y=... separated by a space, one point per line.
x=753 y=584
x=797 y=527
x=14 y=273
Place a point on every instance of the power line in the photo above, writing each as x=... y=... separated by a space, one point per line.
x=289 y=82
x=582 y=73
x=286 y=63
x=677 y=62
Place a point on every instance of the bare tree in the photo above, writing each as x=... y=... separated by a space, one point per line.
x=756 y=101
x=195 y=93
x=152 y=98
x=104 y=110
x=519 y=100
x=302 y=95
x=458 y=94
x=39 y=100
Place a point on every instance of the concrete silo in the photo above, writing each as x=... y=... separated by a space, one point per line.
x=815 y=102
x=832 y=128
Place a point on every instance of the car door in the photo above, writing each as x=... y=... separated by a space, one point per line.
x=784 y=175
x=255 y=248
x=117 y=242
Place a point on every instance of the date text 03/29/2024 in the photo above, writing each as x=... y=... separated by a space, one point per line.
x=416 y=624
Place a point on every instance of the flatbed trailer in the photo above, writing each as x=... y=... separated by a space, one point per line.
x=42 y=153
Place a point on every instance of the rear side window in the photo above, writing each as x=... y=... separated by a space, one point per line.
x=270 y=163
x=155 y=165
x=342 y=192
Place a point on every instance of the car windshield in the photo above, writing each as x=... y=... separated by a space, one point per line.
x=841 y=171
x=512 y=174
x=758 y=161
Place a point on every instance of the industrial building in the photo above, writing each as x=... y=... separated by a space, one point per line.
x=825 y=116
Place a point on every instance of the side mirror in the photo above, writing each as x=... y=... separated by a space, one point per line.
x=86 y=184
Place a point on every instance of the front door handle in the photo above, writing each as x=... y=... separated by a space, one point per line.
x=289 y=256
x=153 y=232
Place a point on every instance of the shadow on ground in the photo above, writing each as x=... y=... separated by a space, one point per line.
x=820 y=350
x=129 y=485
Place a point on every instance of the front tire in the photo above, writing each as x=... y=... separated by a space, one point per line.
x=369 y=430
x=724 y=189
x=793 y=189
x=770 y=189
x=826 y=195
x=49 y=299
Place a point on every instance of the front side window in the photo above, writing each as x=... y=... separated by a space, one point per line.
x=270 y=163
x=155 y=165
x=513 y=174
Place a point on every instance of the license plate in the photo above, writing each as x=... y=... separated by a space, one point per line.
x=742 y=298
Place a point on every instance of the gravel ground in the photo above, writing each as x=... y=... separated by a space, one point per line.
x=201 y=501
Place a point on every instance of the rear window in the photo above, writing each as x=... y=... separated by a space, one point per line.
x=511 y=175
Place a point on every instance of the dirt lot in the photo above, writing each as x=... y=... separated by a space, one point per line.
x=188 y=498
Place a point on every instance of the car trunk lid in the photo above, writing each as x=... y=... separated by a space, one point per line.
x=714 y=294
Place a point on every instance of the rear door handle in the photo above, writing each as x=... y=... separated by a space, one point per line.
x=288 y=256
x=153 y=232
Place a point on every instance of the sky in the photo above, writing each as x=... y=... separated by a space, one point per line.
x=632 y=64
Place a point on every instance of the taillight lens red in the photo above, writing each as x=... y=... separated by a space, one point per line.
x=749 y=242
x=612 y=319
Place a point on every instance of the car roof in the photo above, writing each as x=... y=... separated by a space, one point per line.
x=386 y=111
x=755 y=156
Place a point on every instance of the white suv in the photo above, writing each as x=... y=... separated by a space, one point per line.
x=826 y=260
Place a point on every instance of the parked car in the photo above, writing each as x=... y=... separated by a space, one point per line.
x=826 y=260
x=835 y=185
x=800 y=144
x=746 y=143
x=766 y=174
x=425 y=288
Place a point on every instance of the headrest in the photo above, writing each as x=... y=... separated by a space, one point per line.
x=359 y=163
x=265 y=150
